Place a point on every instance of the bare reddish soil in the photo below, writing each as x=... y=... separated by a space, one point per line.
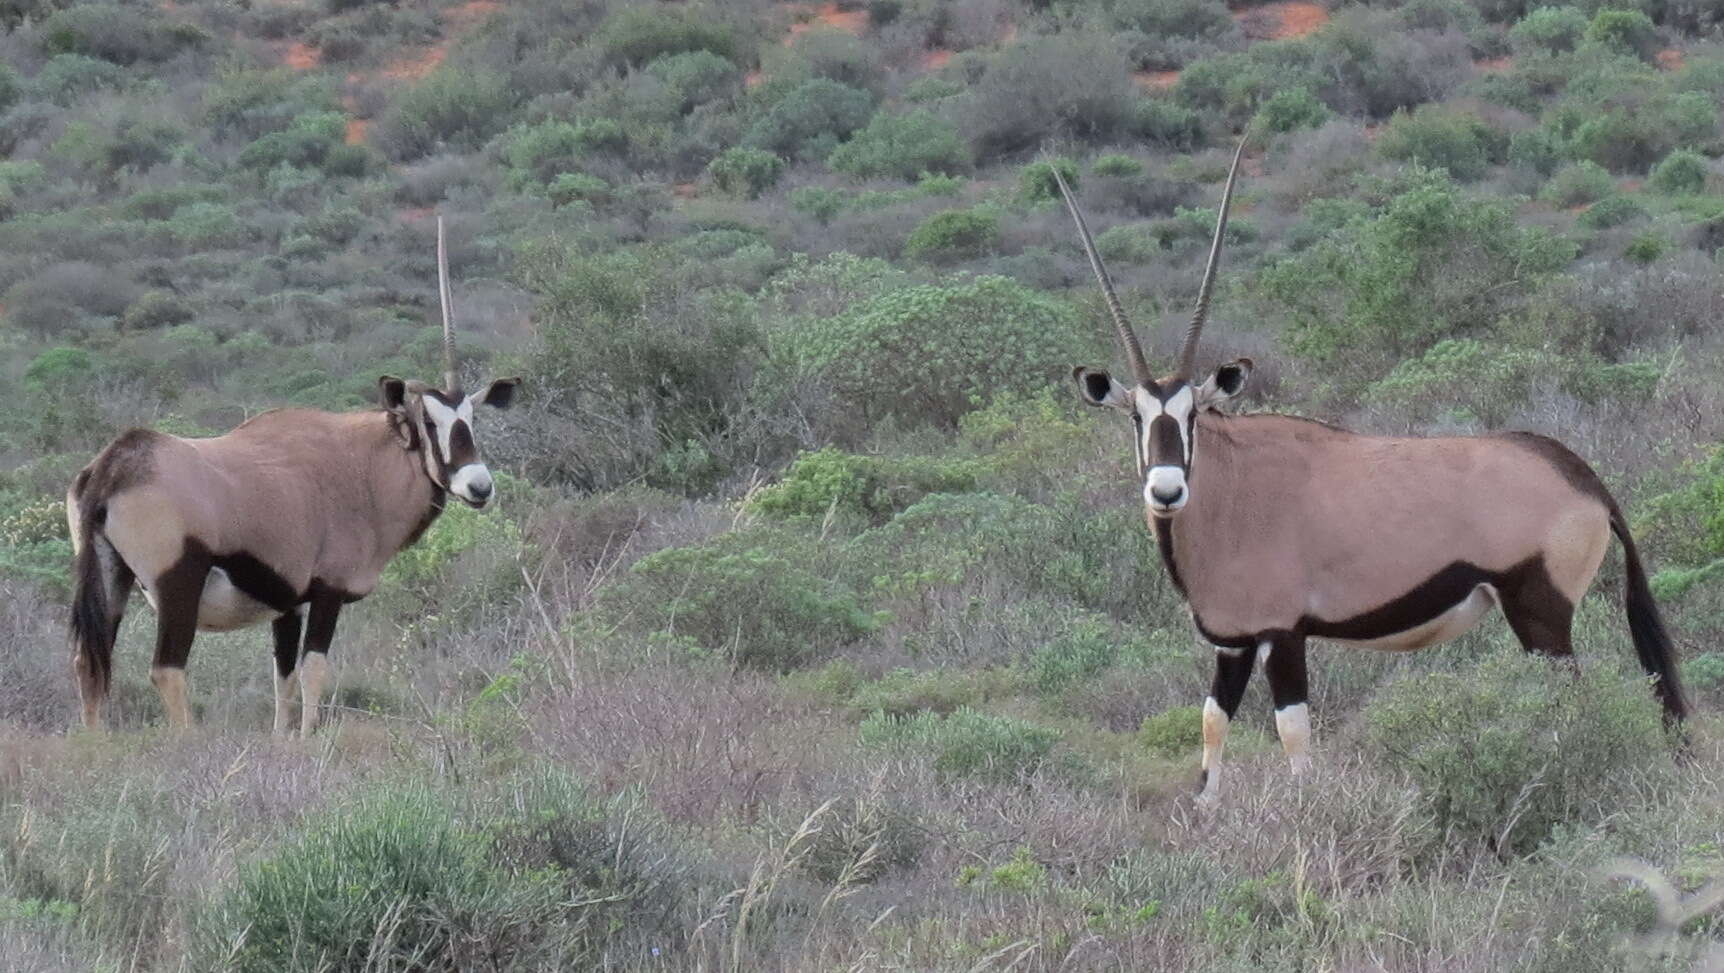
x=828 y=15
x=301 y=56
x=1494 y=65
x=752 y=78
x=936 y=59
x=1281 y=19
x=1669 y=59
x=1156 y=80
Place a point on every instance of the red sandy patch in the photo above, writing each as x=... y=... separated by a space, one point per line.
x=828 y=15
x=1281 y=20
x=356 y=130
x=752 y=78
x=460 y=20
x=415 y=214
x=684 y=190
x=1630 y=185
x=1156 y=80
x=301 y=56
x=472 y=13
x=1669 y=59
x=936 y=59
x=1494 y=65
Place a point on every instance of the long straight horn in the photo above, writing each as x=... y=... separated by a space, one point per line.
x=448 y=310
x=1127 y=337
x=1188 y=352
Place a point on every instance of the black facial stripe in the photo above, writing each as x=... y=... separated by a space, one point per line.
x=1165 y=446
x=461 y=448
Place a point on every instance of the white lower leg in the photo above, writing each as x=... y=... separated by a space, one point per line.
x=1293 y=723
x=286 y=695
x=170 y=681
x=1214 y=741
x=313 y=676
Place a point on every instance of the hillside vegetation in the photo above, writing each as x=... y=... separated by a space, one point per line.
x=817 y=625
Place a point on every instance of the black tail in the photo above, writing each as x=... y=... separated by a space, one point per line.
x=1651 y=641
x=93 y=621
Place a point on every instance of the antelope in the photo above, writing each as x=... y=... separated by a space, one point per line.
x=288 y=517
x=1277 y=529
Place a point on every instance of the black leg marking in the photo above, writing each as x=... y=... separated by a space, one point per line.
x=1285 y=669
x=1232 y=675
x=287 y=630
x=178 y=591
x=1541 y=616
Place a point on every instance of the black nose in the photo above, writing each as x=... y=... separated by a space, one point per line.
x=1167 y=497
x=480 y=490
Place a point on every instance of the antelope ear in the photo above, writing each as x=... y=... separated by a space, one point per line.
x=392 y=391
x=1229 y=380
x=1098 y=388
x=499 y=394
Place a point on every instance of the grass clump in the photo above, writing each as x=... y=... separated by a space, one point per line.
x=1509 y=751
x=967 y=743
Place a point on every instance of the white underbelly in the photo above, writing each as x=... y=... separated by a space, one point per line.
x=1455 y=622
x=222 y=607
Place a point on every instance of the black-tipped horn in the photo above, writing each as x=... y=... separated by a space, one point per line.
x=1188 y=352
x=1127 y=337
x=448 y=301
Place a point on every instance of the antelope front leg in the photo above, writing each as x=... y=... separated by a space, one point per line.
x=287 y=631
x=1284 y=667
x=314 y=665
x=1232 y=673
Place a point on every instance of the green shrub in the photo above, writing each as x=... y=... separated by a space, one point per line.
x=637 y=34
x=121 y=34
x=902 y=147
x=760 y=598
x=698 y=77
x=452 y=107
x=1611 y=211
x=1578 y=184
x=1704 y=672
x=746 y=172
x=1507 y=752
x=931 y=353
x=207 y=226
x=1627 y=32
x=1119 y=166
x=1168 y=123
x=1129 y=243
x=1538 y=149
x=859 y=841
x=904 y=692
x=1073 y=84
x=572 y=187
x=1647 y=248
x=1682 y=171
x=872 y=487
x=817 y=201
x=1556 y=30
x=1629 y=134
x=956 y=234
x=1174 y=733
x=810 y=120
x=305 y=143
x=1461 y=377
x=156 y=309
x=1087 y=649
x=1291 y=109
x=536 y=154
x=69 y=77
x=966 y=743
x=1036 y=181
x=1441 y=137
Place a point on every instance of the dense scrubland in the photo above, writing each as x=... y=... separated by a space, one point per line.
x=817 y=626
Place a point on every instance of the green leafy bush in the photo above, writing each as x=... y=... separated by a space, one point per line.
x=1647 y=248
x=1036 y=181
x=536 y=154
x=902 y=147
x=1175 y=733
x=572 y=187
x=1513 y=749
x=1461 y=377
x=872 y=487
x=956 y=234
x=1556 y=30
x=966 y=743
x=1086 y=650
x=1291 y=109
x=1682 y=171
x=745 y=172
x=810 y=120
x=698 y=77
x=122 y=34
x=156 y=309
x=1578 y=184
x=1442 y=137
x=452 y=107
x=1610 y=211
x=69 y=77
x=306 y=142
x=1627 y=32
x=1113 y=164
x=1073 y=84
x=758 y=597
x=930 y=353
x=637 y=34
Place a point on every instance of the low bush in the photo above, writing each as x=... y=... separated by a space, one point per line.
x=452 y=108
x=1627 y=32
x=1292 y=109
x=745 y=172
x=811 y=119
x=1070 y=84
x=1555 y=30
x=1036 y=183
x=1682 y=171
x=1578 y=184
x=967 y=743
x=1441 y=137
x=1612 y=210
x=874 y=488
x=902 y=147
x=1174 y=733
x=954 y=235
x=1507 y=752
x=635 y=35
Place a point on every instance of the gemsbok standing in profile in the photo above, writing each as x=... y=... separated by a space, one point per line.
x=1278 y=529
x=288 y=517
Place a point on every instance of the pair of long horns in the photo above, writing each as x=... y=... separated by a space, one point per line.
x=1128 y=337
x=448 y=301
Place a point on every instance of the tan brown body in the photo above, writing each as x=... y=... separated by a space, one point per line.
x=1294 y=521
